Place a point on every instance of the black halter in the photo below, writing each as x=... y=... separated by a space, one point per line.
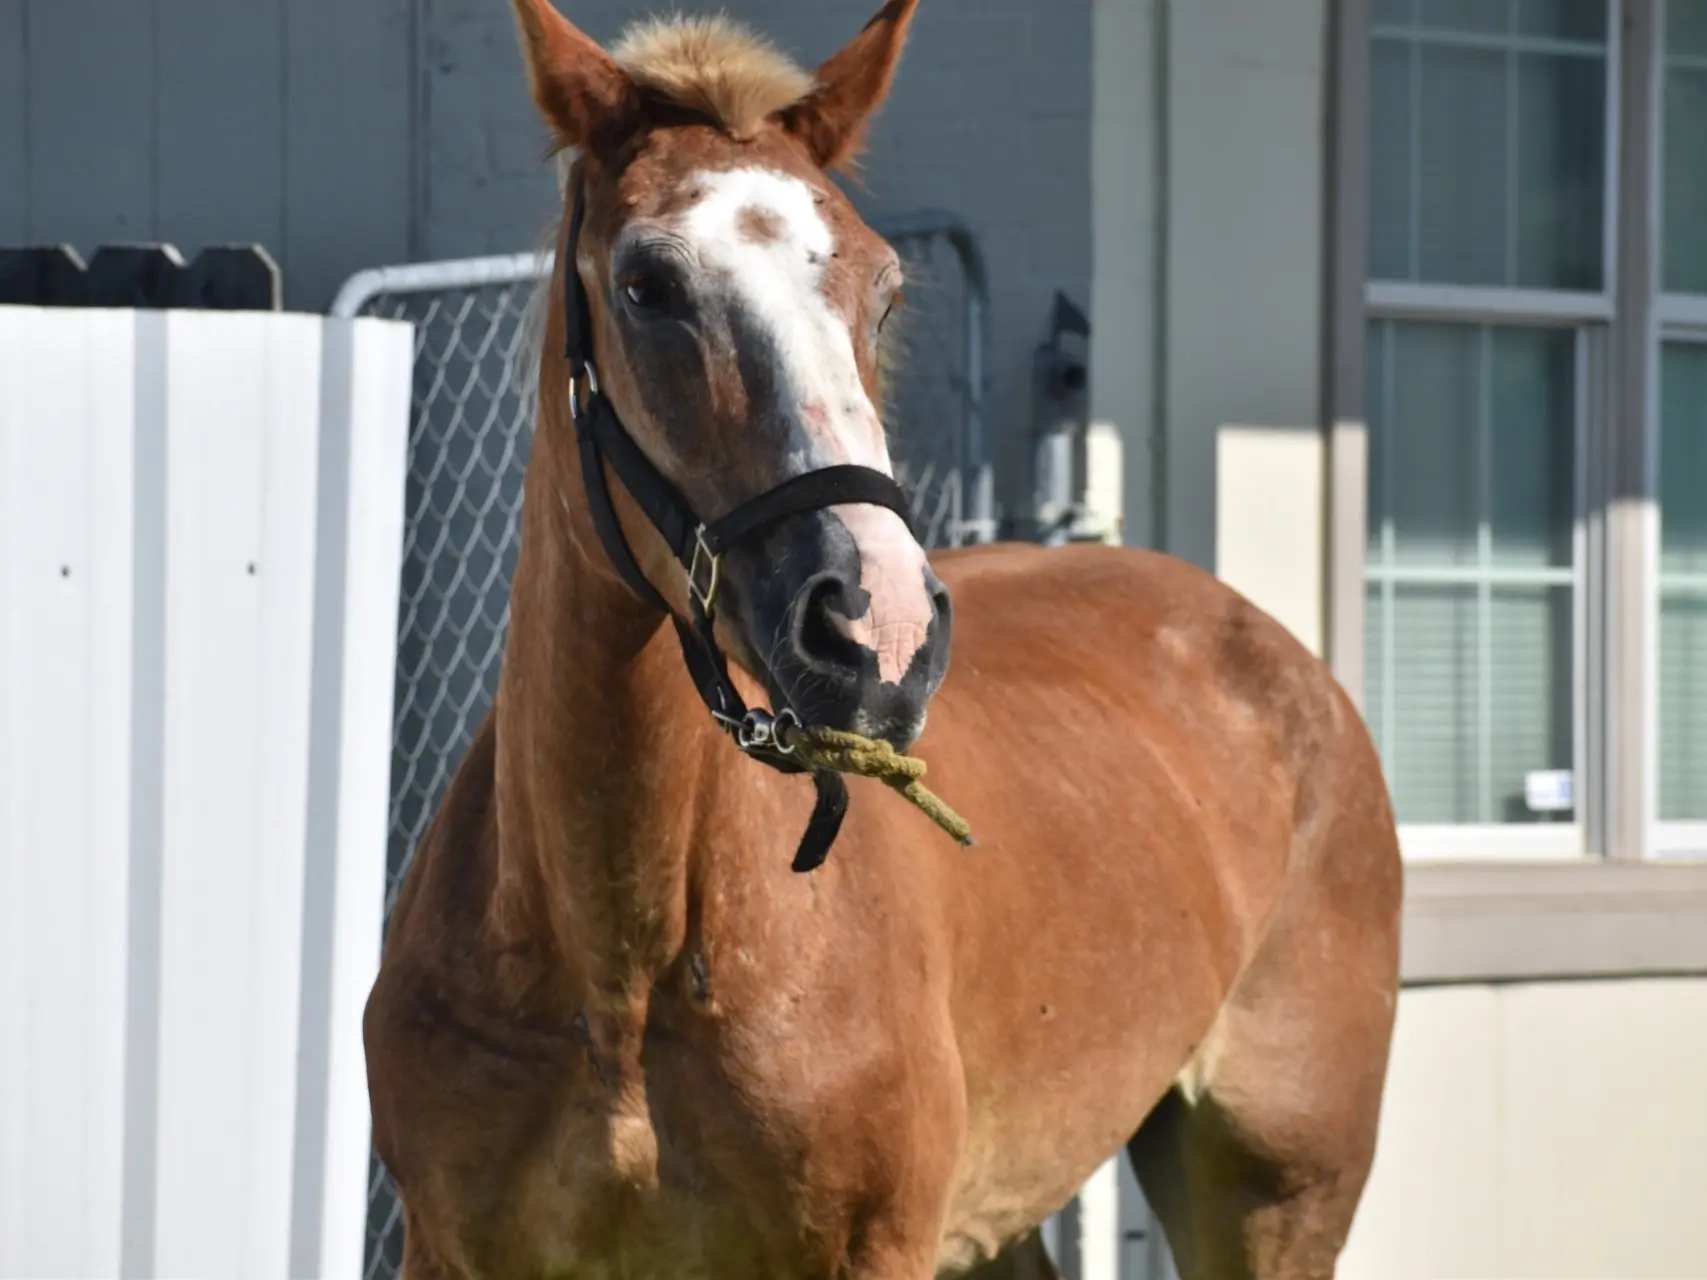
x=699 y=546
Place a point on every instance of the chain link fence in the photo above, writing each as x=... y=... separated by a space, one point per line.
x=470 y=434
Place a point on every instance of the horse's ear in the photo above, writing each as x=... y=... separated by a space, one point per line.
x=851 y=86
x=586 y=98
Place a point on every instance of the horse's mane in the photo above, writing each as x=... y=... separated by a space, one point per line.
x=714 y=67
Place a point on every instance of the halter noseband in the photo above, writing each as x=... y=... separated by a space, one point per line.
x=699 y=546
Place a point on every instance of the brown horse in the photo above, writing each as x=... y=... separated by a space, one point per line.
x=615 y=1036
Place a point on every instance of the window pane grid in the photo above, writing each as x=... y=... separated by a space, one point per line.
x=1682 y=646
x=1683 y=251
x=1472 y=591
x=1488 y=144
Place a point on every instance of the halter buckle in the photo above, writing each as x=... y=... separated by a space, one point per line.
x=706 y=598
x=761 y=731
x=576 y=407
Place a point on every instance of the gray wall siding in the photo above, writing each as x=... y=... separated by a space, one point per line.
x=90 y=111
x=216 y=167
x=208 y=121
x=14 y=126
x=349 y=153
x=1244 y=249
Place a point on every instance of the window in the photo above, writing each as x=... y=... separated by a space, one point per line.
x=1489 y=163
x=1684 y=205
x=1683 y=583
x=1490 y=285
x=1473 y=566
x=1680 y=677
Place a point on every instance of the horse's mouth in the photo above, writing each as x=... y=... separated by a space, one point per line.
x=893 y=712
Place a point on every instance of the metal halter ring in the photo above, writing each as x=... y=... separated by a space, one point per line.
x=575 y=405
x=762 y=732
x=703 y=554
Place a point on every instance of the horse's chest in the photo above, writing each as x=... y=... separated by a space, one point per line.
x=558 y=1177
x=654 y=1233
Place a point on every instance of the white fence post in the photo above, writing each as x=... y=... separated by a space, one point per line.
x=67 y=581
x=200 y=529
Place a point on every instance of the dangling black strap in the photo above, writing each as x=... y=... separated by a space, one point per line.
x=826 y=821
x=601 y=439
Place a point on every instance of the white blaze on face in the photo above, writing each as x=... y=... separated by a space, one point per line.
x=759 y=235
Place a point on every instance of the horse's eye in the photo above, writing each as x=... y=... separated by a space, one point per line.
x=645 y=292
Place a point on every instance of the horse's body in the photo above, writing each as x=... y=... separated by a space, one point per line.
x=616 y=1038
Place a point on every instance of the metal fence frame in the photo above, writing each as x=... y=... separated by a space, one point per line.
x=974 y=519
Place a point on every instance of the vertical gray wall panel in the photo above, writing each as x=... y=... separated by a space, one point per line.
x=92 y=120
x=14 y=123
x=1244 y=236
x=349 y=68
x=486 y=189
x=220 y=117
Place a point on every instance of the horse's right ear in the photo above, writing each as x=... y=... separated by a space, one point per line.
x=831 y=120
x=586 y=98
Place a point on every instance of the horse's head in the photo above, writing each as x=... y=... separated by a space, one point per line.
x=737 y=302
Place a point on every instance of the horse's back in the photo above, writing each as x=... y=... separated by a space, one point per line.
x=1158 y=734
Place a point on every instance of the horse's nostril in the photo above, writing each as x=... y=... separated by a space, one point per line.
x=941 y=604
x=821 y=642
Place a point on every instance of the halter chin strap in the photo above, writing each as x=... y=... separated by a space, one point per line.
x=699 y=546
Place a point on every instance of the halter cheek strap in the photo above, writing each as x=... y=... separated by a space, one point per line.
x=699 y=547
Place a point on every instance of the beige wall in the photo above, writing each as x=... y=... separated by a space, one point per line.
x=1553 y=1130
x=1206 y=203
x=1269 y=529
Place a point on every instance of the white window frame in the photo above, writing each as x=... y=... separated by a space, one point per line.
x=1677 y=318
x=1476 y=920
x=1590 y=315
x=1680 y=319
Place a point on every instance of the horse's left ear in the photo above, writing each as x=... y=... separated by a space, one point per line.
x=851 y=86
x=586 y=98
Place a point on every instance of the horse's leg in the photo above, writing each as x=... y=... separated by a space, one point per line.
x=1027 y=1260
x=1256 y=1160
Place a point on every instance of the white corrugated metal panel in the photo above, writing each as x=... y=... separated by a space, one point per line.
x=65 y=586
x=241 y=468
x=199 y=545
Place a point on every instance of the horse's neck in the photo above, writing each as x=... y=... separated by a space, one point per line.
x=602 y=748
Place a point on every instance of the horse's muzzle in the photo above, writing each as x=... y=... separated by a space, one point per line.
x=860 y=624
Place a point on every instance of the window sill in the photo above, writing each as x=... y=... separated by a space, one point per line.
x=1509 y=843
x=1504 y=922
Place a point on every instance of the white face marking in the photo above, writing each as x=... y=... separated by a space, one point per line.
x=775 y=281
